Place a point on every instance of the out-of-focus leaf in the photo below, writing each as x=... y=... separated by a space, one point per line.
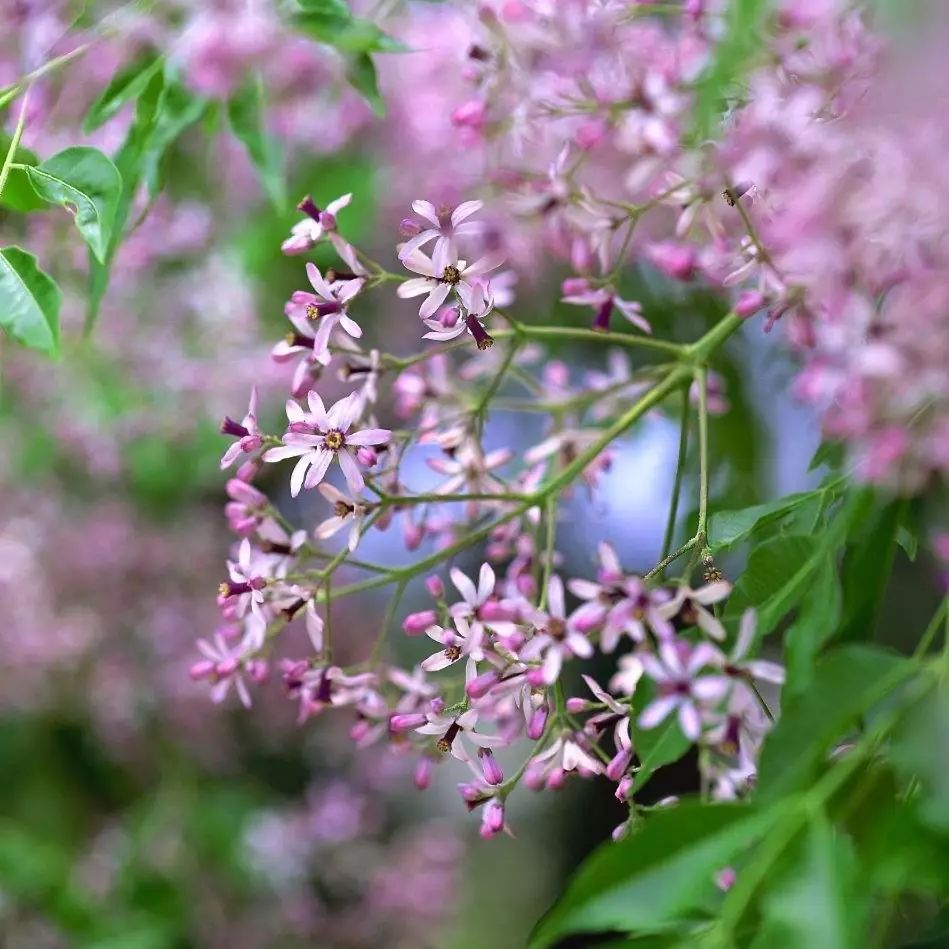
x=130 y=81
x=657 y=746
x=814 y=625
x=866 y=569
x=661 y=874
x=29 y=301
x=847 y=682
x=731 y=59
x=828 y=453
x=361 y=73
x=180 y=109
x=130 y=161
x=819 y=902
x=778 y=573
x=727 y=528
x=245 y=110
x=332 y=22
x=920 y=750
x=18 y=193
x=86 y=183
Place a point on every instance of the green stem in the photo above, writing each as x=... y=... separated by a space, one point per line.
x=677 y=483
x=14 y=142
x=701 y=378
x=12 y=91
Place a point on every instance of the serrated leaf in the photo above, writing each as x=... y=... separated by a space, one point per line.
x=128 y=83
x=661 y=873
x=847 y=683
x=29 y=301
x=245 y=111
x=84 y=181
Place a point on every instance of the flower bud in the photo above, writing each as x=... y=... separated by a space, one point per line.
x=409 y=228
x=416 y=623
x=749 y=302
x=422 y=776
x=574 y=286
x=489 y=767
x=366 y=456
x=435 y=586
x=406 y=722
x=537 y=723
x=480 y=686
x=619 y=764
x=624 y=789
x=492 y=820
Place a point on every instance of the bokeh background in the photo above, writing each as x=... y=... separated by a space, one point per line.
x=133 y=813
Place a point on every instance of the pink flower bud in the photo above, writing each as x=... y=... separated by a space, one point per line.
x=409 y=228
x=749 y=302
x=470 y=114
x=677 y=261
x=725 y=878
x=619 y=764
x=556 y=779
x=480 y=686
x=422 y=776
x=412 y=535
x=537 y=723
x=258 y=670
x=435 y=587
x=406 y=722
x=624 y=789
x=575 y=705
x=591 y=133
x=437 y=704
x=201 y=670
x=248 y=470
x=536 y=677
x=366 y=456
x=492 y=820
x=574 y=286
x=416 y=623
x=489 y=767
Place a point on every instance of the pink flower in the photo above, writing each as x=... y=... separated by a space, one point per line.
x=604 y=301
x=450 y=323
x=557 y=637
x=441 y=274
x=306 y=234
x=681 y=687
x=455 y=732
x=245 y=431
x=318 y=436
x=248 y=577
x=444 y=226
x=690 y=605
x=346 y=510
x=224 y=666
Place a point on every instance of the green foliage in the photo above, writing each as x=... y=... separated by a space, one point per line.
x=661 y=875
x=333 y=23
x=29 y=301
x=848 y=682
x=245 y=111
x=85 y=182
x=18 y=193
x=128 y=83
x=733 y=56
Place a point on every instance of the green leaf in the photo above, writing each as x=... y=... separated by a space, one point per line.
x=777 y=576
x=920 y=750
x=180 y=109
x=731 y=59
x=86 y=183
x=361 y=74
x=847 y=683
x=820 y=902
x=333 y=23
x=662 y=873
x=18 y=193
x=657 y=746
x=29 y=301
x=130 y=162
x=128 y=83
x=828 y=453
x=245 y=110
x=727 y=528
x=866 y=569
x=814 y=625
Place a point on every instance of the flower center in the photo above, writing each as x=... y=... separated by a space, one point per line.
x=556 y=627
x=334 y=440
x=452 y=653
x=451 y=275
x=444 y=743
